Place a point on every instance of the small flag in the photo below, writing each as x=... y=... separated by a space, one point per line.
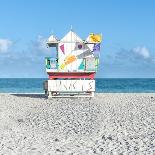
x=96 y=47
x=62 y=48
x=95 y=38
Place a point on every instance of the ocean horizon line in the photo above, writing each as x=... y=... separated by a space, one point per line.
x=94 y=78
x=103 y=85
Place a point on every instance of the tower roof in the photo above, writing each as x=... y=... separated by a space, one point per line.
x=52 y=41
x=52 y=38
x=71 y=37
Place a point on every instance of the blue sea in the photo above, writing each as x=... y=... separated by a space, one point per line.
x=35 y=85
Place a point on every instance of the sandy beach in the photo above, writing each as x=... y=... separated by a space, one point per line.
x=106 y=124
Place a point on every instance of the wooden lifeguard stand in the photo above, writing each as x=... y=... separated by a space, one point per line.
x=72 y=71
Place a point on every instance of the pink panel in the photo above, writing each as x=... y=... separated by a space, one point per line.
x=64 y=75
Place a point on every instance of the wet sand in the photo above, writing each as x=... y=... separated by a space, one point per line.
x=106 y=124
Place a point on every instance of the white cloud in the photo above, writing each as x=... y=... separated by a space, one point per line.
x=41 y=42
x=38 y=48
x=5 y=45
x=142 y=51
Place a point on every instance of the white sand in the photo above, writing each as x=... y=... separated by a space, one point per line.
x=106 y=124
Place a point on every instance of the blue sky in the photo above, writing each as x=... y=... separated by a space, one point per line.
x=128 y=48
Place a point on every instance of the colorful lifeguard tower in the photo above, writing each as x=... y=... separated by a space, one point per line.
x=71 y=73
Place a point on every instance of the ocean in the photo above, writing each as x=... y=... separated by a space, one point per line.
x=35 y=85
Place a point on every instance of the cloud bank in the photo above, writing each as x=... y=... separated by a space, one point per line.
x=29 y=62
x=5 y=44
x=136 y=62
x=142 y=52
x=133 y=56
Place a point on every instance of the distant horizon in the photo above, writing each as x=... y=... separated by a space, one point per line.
x=102 y=85
x=75 y=79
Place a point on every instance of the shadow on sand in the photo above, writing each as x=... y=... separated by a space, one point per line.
x=31 y=95
x=43 y=96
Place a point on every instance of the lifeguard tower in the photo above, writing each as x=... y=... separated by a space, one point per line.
x=71 y=73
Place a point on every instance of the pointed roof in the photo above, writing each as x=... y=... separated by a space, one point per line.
x=71 y=37
x=52 y=38
x=52 y=41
